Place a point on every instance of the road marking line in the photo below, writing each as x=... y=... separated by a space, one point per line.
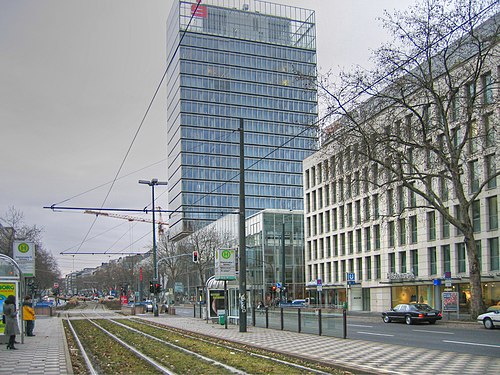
x=359 y=325
x=375 y=334
x=471 y=343
x=439 y=332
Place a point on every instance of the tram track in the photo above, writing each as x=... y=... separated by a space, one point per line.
x=170 y=350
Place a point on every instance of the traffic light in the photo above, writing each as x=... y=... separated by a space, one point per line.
x=195 y=257
x=151 y=287
x=157 y=288
x=274 y=288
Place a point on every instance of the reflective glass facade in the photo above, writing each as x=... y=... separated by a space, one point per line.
x=233 y=60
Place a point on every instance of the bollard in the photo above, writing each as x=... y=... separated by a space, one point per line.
x=344 y=319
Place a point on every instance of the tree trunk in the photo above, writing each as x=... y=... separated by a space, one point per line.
x=476 y=300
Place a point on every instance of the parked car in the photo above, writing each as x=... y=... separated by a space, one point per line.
x=490 y=319
x=411 y=313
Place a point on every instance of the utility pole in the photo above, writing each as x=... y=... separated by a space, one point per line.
x=242 y=239
x=153 y=183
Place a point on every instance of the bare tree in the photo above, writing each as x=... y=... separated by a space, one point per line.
x=206 y=241
x=172 y=257
x=13 y=227
x=422 y=119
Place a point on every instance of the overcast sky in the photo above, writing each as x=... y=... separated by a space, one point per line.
x=76 y=77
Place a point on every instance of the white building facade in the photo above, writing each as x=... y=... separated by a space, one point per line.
x=399 y=250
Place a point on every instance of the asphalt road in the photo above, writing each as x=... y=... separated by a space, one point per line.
x=470 y=338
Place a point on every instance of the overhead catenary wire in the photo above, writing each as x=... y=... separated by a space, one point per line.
x=307 y=127
x=141 y=124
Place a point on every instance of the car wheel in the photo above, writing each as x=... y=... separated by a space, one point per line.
x=408 y=320
x=488 y=323
x=386 y=319
x=432 y=322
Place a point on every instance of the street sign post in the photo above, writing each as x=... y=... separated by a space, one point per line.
x=225 y=264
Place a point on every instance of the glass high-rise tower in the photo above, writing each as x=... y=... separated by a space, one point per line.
x=231 y=60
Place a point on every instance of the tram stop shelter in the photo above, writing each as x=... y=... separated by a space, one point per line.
x=11 y=283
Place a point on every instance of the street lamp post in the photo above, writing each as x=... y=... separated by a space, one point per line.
x=153 y=183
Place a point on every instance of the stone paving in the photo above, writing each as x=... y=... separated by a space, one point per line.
x=45 y=353
x=357 y=356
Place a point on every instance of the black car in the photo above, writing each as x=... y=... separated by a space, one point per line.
x=412 y=312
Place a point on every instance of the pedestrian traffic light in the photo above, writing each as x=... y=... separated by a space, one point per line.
x=195 y=257
x=157 y=288
x=151 y=287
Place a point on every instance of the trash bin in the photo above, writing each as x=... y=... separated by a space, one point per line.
x=222 y=318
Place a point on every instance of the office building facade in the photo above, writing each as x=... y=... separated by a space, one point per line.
x=360 y=220
x=237 y=62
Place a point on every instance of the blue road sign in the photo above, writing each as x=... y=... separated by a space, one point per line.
x=351 y=276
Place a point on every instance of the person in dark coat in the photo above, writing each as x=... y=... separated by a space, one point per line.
x=11 y=326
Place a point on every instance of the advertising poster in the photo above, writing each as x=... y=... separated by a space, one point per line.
x=450 y=301
x=6 y=289
x=216 y=302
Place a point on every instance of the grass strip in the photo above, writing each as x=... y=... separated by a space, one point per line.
x=174 y=359
x=108 y=356
x=241 y=359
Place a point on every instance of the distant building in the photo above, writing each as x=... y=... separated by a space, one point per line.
x=235 y=60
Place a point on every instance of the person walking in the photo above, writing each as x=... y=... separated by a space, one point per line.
x=29 y=316
x=11 y=326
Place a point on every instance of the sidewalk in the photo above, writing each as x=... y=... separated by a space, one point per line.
x=357 y=356
x=46 y=353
